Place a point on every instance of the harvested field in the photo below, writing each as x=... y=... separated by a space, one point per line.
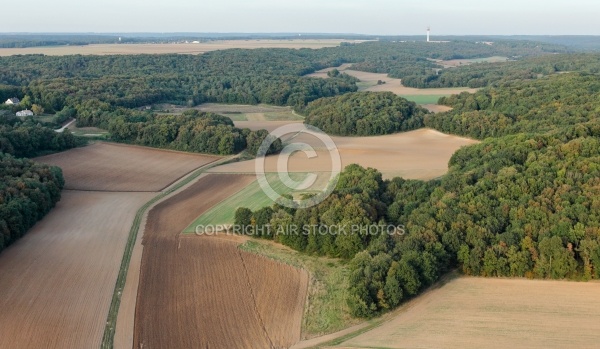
x=57 y=282
x=395 y=86
x=241 y=108
x=198 y=292
x=181 y=48
x=369 y=83
x=323 y=72
x=436 y=108
x=453 y=63
x=263 y=125
x=117 y=167
x=239 y=112
x=494 y=313
x=419 y=154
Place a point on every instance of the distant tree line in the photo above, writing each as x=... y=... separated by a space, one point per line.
x=488 y=74
x=272 y=76
x=364 y=114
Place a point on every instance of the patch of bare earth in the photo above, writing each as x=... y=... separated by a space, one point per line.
x=419 y=154
x=203 y=292
x=391 y=84
x=56 y=283
x=118 y=167
x=436 y=108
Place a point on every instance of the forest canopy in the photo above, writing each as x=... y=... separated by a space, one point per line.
x=27 y=192
x=364 y=114
x=525 y=202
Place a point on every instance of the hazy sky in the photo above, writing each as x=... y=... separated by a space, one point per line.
x=386 y=17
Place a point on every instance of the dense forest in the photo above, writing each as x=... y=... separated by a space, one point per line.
x=27 y=138
x=517 y=106
x=272 y=76
x=193 y=131
x=523 y=203
x=486 y=74
x=364 y=114
x=27 y=192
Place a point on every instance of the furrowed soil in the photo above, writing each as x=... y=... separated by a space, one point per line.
x=204 y=292
x=123 y=168
x=56 y=283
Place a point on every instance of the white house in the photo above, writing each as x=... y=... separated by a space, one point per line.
x=12 y=101
x=25 y=112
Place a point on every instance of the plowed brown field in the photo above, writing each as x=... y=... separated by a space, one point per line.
x=117 y=167
x=203 y=292
x=57 y=282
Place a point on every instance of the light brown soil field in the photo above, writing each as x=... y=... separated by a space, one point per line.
x=453 y=63
x=57 y=282
x=240 y=108
x=117 y=167
x=198 y=292
x=182 y=48
x=395 y=86
x=391 y=84
x=420 y=154
x=323 y=72
x=494 y=313
x=263 y=125
x=436 y=108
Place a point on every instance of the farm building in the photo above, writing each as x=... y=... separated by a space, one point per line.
x=25 y=112
x=12 y=101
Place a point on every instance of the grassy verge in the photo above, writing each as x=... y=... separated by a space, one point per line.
x=327 y=310
x=111 y=321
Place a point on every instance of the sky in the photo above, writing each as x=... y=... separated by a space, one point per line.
x=375 y=17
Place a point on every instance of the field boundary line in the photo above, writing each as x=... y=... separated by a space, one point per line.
x=183 y=232
x=111 y=321
x=337 y=338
